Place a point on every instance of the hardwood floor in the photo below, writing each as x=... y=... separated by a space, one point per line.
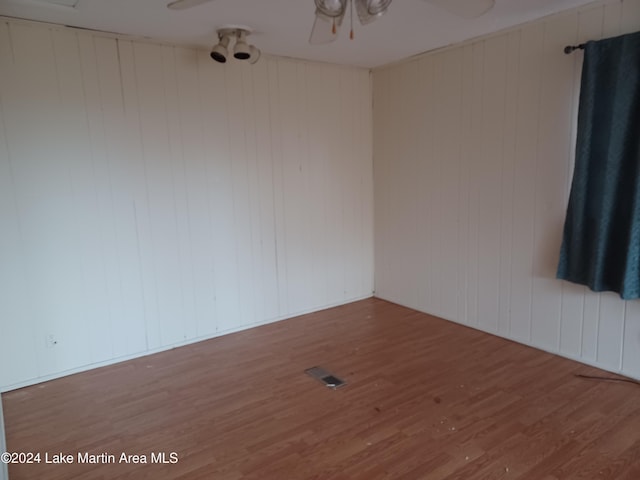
x=426 y=399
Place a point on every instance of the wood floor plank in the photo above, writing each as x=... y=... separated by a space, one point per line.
x=425 y=399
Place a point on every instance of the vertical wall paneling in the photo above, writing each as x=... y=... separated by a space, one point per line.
x=610 y=330
x=493 y=150
x=219 y=192
x=338 y=184
x=508 y=171
x=426 y=228
x=408 y=216
x=195 y=226
x=176 y=331
x=450 y=176
x=631 y=357
x=475 y=109
x=529 y=68
x=293 y=173
x=238 y=131
x=140 y=286
x=464 y=195
x=630 y=12
x=554 y=134
x=383 y=189
x=264 y=165
x=161 y=192
x=131 y=315
x=253 y=185
x=275 y=127
x=395 y=190
x=42 y=188
x=490 y=180
x=349 y=115
x=435 y=224
x=150 y=197
x=104 y=113
x=18 y=342
x=381 y=202
x=366 y=200
x=4 y=470
x=317 y=113
x=73 y=116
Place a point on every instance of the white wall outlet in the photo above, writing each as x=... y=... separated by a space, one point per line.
x=51 y=340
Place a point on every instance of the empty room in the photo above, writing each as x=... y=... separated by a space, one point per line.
x=320 y=239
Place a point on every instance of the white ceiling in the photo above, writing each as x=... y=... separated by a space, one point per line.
x=281 y=27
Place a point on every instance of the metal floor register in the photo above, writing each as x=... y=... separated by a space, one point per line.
x=325 y=377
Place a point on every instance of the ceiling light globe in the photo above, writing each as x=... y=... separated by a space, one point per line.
x=377 y=7
x=331 y=8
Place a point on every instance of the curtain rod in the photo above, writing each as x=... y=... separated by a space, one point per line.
x=570 y=48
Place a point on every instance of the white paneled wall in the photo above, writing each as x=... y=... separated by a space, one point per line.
x=4 y=469
x=150 y=197
x=473 y=155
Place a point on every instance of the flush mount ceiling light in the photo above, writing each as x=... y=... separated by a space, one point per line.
x=241 y=50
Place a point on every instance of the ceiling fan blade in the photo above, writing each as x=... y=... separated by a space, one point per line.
x=369 y=10
x=325 y=29
x=183 y=4
x=465 y=8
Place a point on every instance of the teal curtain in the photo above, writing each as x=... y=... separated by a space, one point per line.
x=601 y=240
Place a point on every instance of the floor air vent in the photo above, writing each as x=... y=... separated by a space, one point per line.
x=325 y=377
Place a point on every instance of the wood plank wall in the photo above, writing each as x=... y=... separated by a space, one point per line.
x=150 y=197
x=473 y=155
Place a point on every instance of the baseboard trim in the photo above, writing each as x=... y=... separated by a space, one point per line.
x=84 y=368
x=584 y=361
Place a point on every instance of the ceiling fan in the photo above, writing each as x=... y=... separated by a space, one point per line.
x=330 y=13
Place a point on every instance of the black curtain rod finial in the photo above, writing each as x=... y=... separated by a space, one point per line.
x=570 y=48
